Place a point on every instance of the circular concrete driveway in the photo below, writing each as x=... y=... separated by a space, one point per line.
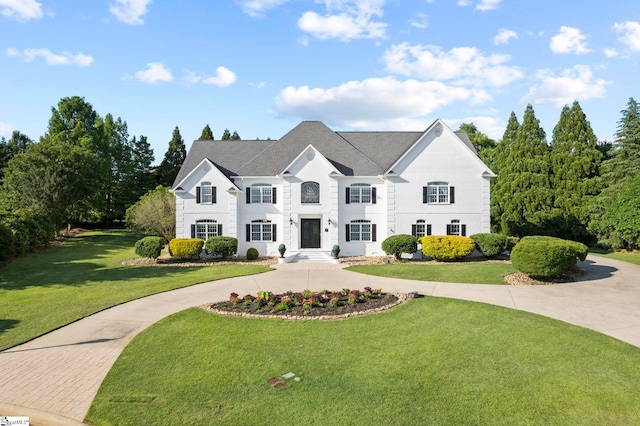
x=54 y=378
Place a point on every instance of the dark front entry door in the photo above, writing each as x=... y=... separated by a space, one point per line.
x=310 y=237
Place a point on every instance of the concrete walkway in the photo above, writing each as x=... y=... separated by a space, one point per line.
x=54 y=378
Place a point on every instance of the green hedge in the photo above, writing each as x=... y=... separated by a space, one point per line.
x=447 y=248
x=7 y=246
x=491 y=244
x=24 y=231
x=186 y=248
x=221 y=246
x=545 y=257
x=398 y=244
x=150 y=247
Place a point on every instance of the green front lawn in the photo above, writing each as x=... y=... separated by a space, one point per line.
x=429 y=361
x=460 y=272
x=631 y=257
x=44 y=291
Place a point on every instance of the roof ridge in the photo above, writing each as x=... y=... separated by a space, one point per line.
x=363 y=154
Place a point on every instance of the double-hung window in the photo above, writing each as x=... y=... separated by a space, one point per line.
x=360 y=193
x=206 y=229
x=420 y=228
x=438 y=193
x=205 y=193
x=261 y=230
x=456 y=228
x=261 y=193
x=360 y=230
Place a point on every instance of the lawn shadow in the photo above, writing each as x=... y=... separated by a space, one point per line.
x=7 y=324
x=594 y=272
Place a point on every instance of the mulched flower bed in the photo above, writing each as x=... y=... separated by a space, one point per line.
x=322 y=305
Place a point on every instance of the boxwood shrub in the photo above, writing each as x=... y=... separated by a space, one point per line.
x=546 y=257
x=490 y=245
x=447 y=248
x=221 y=246
x=252 y=253
x=398 y=244
x=150 y=247
x=186 y=248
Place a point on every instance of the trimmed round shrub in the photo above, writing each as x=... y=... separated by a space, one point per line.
x=397 y=244
x=150 y=247
x=447 y=248
x=546 y=257
x=186 y=248
x=490 y=244
x=252 y=253
x=221 y=246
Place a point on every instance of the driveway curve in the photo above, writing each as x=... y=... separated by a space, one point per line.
x=54 y=378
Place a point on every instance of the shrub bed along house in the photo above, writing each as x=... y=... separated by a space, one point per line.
x=546 y=257
x=490 y=244
x=397 y=244
x=149 y=247
x=447 y=248
x=221 y=246
x=186 y=248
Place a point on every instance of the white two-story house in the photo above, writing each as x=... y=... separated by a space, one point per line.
x=315 y=187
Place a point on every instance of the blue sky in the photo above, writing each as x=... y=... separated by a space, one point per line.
x=262 y=66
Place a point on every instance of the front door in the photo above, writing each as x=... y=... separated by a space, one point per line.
x=310 y=233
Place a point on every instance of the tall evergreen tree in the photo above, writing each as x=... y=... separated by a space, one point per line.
x=207 y=134
x=575 y=178
x=173 y=159
x=502 y=158
x=226 y=135
x=525 y=197
x=235 y=136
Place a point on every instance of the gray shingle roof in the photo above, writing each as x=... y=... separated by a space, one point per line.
x=352 y=153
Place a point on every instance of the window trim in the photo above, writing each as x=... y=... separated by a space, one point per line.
x=358 y=225
x=208 y=222
x=440 y=195
x=262 y=224
x=415 y=228
x=357 y=188
x=200 y=193
x=306 y=184
x=265 y=193
x=461 y=231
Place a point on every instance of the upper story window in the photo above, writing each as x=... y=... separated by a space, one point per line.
x=261 y=230
x=310 y=193
x=206 y=194
x=362 y=193
x=360 y=230
x=261 y=193
x=420 y=228
x=456 y=228
x=438 y=193
x=206 y=229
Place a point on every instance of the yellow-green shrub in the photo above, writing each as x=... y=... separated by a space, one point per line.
x=447 y=248
x=186 y=248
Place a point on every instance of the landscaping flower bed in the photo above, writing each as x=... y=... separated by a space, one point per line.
x=323 y=304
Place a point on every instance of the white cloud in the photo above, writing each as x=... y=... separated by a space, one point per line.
x=373 y=101
x=482 y=5
x=345 y=20
x=155 y=73
x=6 y=129
x=630 y=34
x=577 y=83
x=611 y=53
x=21 y=10
x=256 y=8
x=488 y=125
x=130 y=12
x=569 y=40
x=464 y=65
x=420 y=21
x=504 y=36
x=65 y=58
x=223 y=78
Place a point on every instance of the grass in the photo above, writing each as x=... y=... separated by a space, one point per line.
x=625 y=256
x=462 y=272
x=429 y=361
x=84 y=275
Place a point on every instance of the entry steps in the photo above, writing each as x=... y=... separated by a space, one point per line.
x=316 y=256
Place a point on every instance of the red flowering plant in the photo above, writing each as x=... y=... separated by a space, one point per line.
x=234 y=299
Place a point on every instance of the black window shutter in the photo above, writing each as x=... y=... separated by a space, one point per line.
x=348 y=199
x=452 y=194
x=273 y=197
x=214 y=195
x=424 y=195
x=428 y=229
x=273 y=230
x=220 y=229
x=373 y=195
x=193 y=231
x=197 y=195
x=414 y=230
x=348 y=236
x=248 y=232
x=463 y=229
x=248 y=197
x=373 y=232
x=448 y=229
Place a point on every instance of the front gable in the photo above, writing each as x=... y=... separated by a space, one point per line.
x=311 y=162
x=204 y=171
